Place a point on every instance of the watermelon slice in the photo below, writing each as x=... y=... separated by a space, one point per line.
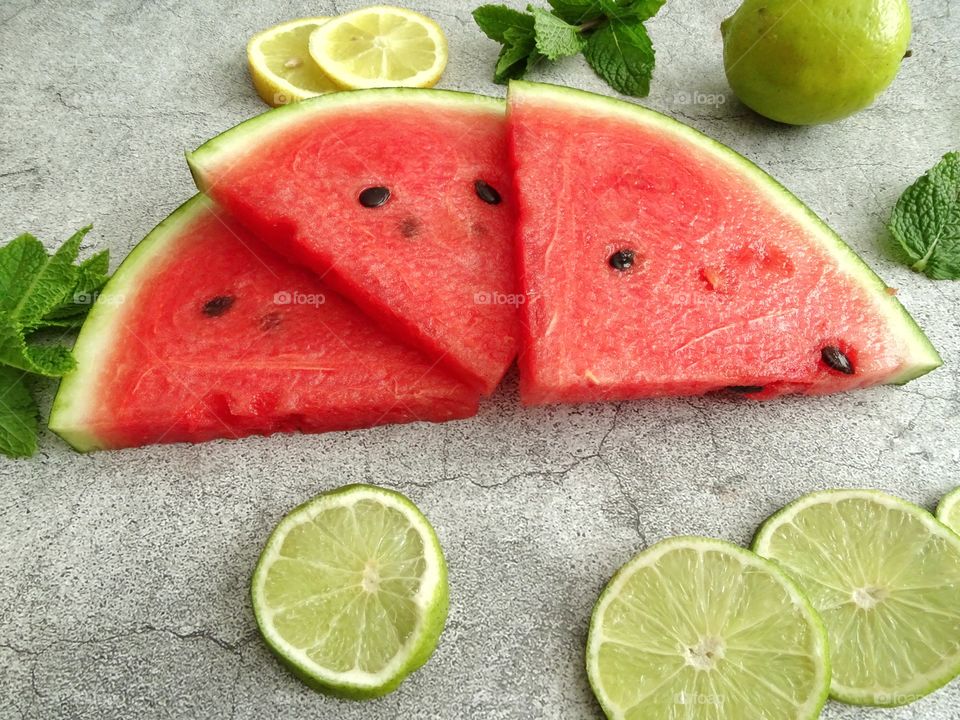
x=400 y=199
x=203 y=333
x=656 y=261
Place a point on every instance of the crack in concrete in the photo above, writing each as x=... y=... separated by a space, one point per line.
x=14 y=15
x=201 y=634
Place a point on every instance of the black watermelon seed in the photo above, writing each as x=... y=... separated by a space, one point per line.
x=487 y=192
x=270 y=321
x=375 y=196
x=745 y=389
x=409 y=227
x=217 y=306
x=622 y=260
x=835 y=358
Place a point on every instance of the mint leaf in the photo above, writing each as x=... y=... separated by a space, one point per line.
x=34 y=283
x=631 y=9
x=577 y=12
x=496 y=20
x=38 y=291
x=92 y=275
x=554 y=37
x=18 y=415
x=518 y=55
x=622 y=54
x=610 y=33
x=926 y=220
x=16 y=352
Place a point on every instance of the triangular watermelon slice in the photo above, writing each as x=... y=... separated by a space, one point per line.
x=655 y=261
x=400 y=199
x=204 y=333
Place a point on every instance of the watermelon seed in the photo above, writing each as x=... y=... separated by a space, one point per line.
x=622 y=260
x=217 y=306
x=270 y=321
x=487 y=193
x=409 y=227
x=835 y=358
x=375 y=196
x=745 y=389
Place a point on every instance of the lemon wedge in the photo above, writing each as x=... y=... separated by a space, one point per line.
x=380 y=47
x=281 y=66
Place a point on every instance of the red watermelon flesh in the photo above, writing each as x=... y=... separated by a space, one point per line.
x=204 y=333
x=434 y=263
x=723 y=280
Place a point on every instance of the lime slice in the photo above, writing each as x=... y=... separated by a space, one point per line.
x=351 y=591
x=694 y=628
x=885 y=577
x=380 y=47
x=948 y=511
x=281 y=66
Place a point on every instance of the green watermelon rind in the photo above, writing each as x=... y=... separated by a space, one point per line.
x=922 y=356
x=78 y=391
x=232 y=145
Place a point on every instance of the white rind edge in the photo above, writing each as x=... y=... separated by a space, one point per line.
x=920 y=356
x=77 y=397
x=433 y=578
x=652 y=554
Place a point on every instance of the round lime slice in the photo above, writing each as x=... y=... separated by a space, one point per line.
x=694 y=628
x=948 y=511
x=351 y=591
x=885 y=576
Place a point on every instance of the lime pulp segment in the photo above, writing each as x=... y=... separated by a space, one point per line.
x=694 y=628
x=351 y=590
x=885 y=576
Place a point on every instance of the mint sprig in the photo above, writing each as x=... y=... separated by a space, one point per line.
x=926 y=221
x=610 y=34
x=38 y=292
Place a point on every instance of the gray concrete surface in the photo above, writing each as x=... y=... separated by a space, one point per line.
x=123 y=576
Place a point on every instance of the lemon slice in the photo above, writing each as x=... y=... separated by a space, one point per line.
x=280 y=63
x=380 y=47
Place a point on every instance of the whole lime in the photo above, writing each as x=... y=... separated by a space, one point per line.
x=806 y=62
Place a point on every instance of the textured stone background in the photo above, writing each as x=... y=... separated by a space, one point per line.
x=123 y=576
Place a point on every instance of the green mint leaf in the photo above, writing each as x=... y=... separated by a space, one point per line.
x=926 y=220
x=496 y=20
x=518 y=55
x=92 y=275
x=639 y=10
x=577 y=12
x=38 y=291
x=18 y=415
x=622 y=54
x=16 y=352
x=554 y=37
x=37 y=283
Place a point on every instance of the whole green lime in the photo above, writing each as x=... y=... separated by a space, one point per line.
x=806 y=62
